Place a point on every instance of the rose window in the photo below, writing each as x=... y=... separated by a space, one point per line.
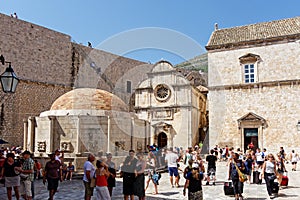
x=162 y=93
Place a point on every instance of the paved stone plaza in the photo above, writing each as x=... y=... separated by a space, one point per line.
x=73 y=190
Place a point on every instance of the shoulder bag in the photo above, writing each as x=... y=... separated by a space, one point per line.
x=242 y=176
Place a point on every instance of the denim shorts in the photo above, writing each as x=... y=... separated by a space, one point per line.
x=173 y=171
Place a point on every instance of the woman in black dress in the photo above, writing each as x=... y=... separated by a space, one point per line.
x=111 y=180
x=139 y=184
x=128 y=171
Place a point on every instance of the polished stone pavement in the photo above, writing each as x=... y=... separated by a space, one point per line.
x=73 y=190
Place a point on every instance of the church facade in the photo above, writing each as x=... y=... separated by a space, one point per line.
x=175 y=109
x=254 y=85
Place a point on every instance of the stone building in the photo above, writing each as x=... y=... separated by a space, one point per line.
x=254 y=85
x=86 y=120
x=49 y=65
x=175 y=108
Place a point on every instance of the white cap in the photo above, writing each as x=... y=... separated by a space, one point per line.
x=195 y=165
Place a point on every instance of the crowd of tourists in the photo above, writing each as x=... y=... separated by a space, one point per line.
x=19 y=170
x=259 y=164
x=139 y=171
x=142 y=170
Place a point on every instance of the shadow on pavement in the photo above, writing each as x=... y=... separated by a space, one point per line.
x=289 y=187
x=168 y=193
x=288 y=195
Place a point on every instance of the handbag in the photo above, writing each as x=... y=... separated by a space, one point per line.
x=272 y=177
x=155 y=177
x=24 y=176
x=242 y=177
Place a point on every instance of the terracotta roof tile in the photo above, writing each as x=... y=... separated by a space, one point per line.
x=253 y=32
x=88 y=98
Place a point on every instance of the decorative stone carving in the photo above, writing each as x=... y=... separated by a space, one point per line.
x=163 y=114
x=42 y=146
x=66 y=146
x=120 y=145
x=139 y=146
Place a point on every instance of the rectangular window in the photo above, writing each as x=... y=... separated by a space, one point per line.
x=249 y=73
x=128 y=87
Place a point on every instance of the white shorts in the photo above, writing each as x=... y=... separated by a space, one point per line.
x=102 y=193
x=25 y=188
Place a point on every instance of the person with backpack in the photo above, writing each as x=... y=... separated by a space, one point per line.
x=194 y=183
x=211 y=166
x=188 y=156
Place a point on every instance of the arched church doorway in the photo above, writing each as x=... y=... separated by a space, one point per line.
x=162 y=140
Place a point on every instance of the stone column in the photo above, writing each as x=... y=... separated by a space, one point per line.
x=50 y=146
x=131 y=133
x=30 y=142
x=260 y=138
x=108 y=134
x=25 y=142
x=189 y=126
x=77 y=148
x=146 y=136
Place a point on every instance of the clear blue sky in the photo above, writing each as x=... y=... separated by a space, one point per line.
x=100 y=22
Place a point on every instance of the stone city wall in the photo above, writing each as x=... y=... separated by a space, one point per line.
x=48 y=65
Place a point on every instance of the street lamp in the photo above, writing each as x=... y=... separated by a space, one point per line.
x=9 y=80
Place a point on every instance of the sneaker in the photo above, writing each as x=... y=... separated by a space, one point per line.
x=172 y=186
x=207 y=183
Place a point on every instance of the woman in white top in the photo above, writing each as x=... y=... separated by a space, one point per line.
x=294 y=157
x=151 y=162
x=269 y=173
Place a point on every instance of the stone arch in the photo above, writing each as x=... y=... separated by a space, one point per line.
x=162 y=140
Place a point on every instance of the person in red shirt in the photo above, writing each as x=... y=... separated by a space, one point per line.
x=101 y=175
x=251 y=146
x=38 y=167
x=2 y=160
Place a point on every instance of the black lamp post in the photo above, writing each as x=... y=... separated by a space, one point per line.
x=9 y=80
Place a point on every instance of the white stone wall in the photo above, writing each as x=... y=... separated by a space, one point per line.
x=90 y=133
x=278 y=104
x=279 y=62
